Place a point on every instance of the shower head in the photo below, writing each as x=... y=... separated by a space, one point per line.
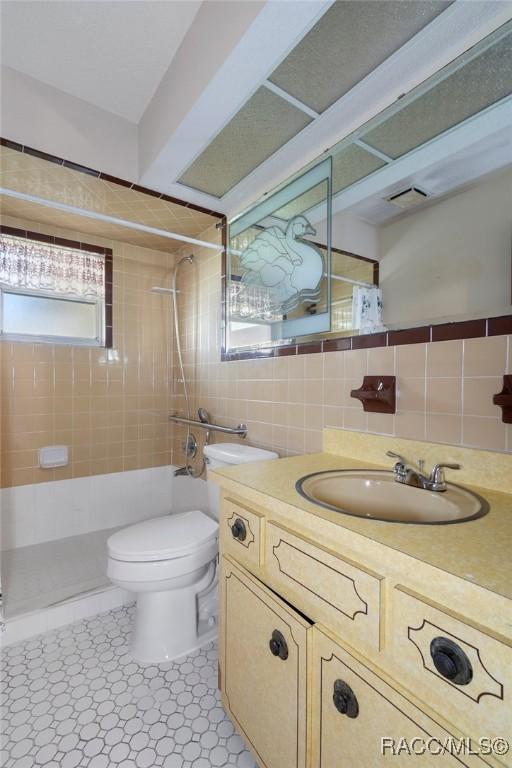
x=190 y=259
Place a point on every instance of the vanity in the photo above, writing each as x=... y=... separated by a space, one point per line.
x=347 y=641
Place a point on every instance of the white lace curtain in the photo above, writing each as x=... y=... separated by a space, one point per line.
x=27 y=264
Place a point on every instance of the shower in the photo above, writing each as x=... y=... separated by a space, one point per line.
x=189 y=440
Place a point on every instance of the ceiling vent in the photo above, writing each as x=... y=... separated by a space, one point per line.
x=408 y=198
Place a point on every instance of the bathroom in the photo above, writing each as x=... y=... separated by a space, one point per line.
x=256 y=394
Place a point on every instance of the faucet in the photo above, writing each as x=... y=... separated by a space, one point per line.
x=181 y=472
x=403 y=473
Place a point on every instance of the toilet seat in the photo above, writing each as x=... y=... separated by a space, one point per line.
x=171 y=537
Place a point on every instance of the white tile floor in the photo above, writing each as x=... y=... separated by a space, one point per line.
x=75 y=697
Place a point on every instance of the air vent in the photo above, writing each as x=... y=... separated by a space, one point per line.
x=408 y=198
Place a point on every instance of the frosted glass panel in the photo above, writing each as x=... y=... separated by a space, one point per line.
x=278 y=284
x=42 y=316
x=481 y=82
x=348 y=42
x=264 y=124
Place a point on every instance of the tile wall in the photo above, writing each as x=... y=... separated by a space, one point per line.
x=109 y=406
x=444 y=388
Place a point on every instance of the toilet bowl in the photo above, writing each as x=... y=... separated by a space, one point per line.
x=169 y=563
x=225 y=455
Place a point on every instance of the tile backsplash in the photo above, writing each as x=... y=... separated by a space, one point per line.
x=444 y=388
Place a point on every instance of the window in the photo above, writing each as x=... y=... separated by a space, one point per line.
x=54 y=293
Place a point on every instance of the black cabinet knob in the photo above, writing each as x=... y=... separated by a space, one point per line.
x=239 y=530
x=344 y=699
x=450 y=661
x=278 y=645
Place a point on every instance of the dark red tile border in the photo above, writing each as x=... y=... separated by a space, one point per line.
x=109 y=265
x=309 y=348
x=370 y=340
x=469 y=329
x=409 y=336
x=106 y=177
x=337 y=345
x=285 y=351
x=498 y=326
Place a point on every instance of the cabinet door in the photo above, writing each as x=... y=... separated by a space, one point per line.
x=263 y=669
x=359 y=720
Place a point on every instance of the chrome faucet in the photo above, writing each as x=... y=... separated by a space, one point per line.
x=403 y=473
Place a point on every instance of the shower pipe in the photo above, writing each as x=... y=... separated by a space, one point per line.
x=241 y=430
x=174 y=292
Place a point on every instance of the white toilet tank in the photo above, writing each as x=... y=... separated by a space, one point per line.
x=228 y=454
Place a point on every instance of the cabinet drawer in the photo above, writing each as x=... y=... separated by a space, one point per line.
x=326 y=587
x=264 y=669
x=359 y=720
x=240 y=532
x=458 y=669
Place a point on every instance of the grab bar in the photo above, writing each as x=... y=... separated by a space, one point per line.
x=241 y=430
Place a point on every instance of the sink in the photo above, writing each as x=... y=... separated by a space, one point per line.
x=375 y=494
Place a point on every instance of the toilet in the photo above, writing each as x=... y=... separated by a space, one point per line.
x=170 y=563
x=225 y=455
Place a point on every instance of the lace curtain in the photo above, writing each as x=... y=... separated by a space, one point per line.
x=51 y=268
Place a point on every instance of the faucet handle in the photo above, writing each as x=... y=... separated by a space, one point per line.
x=437 y=475
x=394 y=455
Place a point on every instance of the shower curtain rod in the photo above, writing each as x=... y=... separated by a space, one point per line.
x=109 y=219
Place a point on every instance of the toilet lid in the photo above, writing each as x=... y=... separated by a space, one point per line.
x=163 y=538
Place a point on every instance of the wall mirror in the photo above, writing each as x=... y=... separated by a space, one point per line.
x=421 y=216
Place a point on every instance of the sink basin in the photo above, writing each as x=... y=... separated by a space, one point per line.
x=376 y=495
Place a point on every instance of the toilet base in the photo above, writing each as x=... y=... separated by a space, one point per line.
x=166 y=623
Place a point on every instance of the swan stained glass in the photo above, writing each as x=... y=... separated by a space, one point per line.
x=288 y=266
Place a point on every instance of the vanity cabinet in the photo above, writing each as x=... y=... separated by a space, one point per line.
x=333 y=660
x=263 y=667
x=359 y=720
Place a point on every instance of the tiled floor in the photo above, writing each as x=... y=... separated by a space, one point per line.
x=75 y=697
x=44 y=574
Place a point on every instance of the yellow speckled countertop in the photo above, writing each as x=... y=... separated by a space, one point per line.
x=479 y=551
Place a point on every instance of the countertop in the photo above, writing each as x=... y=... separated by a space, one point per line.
x=478 y=551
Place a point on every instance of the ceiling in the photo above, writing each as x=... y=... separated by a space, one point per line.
x=48 y=181
x=351 y=39
x=77 y=191
x=97 y=51
x=225 y=100
x=74 y=227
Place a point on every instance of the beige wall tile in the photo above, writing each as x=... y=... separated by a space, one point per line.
x=381 y=423
x=484 y=433
x=411 y=394
x=444 y=358
x=410 y=424
x=444 y=395
x=411 y=361
x=381 y=361
x=478 y=394
x=444 y=428
x=485 y=357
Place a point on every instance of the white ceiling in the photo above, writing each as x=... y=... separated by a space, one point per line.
x=97 y=51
